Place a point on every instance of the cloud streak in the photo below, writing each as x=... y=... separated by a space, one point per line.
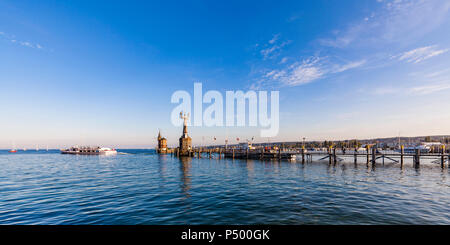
x=307 y=71
x=420 y=54
x=425 y=89
x=429 y=89
x=272 y=49
x=396 y=25
x=12 y=39
x=351 y=65
x=398 y=21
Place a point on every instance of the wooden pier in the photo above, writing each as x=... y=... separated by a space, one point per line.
x=332 y=155
x=239 y=153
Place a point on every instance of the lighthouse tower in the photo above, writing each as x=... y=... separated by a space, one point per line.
x=162 y=144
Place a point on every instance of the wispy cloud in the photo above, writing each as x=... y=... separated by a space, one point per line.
x=284 y=60
x=272 y=48
x=428 y=89
x=420 y=54
x=438 y=73
x=293 y=18
x=397 y=24
x=307 y=71
x=343 y=39
x=398 y=21
x=385 y=90
x=300 y=73
x=348 y=66
x=421 y=88
x=12 y=39
x=274 y=39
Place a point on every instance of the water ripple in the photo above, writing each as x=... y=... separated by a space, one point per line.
x=144 y=188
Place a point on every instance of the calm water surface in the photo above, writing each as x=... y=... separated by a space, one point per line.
x=144 y=188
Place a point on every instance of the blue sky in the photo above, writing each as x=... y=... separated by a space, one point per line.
x=103 y=72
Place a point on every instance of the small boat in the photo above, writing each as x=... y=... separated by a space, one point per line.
x=13 y=149
x=87 y=150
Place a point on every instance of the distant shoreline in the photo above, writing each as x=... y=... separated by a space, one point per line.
x=386 y=140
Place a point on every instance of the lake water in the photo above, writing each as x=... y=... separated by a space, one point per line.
x=144 y=188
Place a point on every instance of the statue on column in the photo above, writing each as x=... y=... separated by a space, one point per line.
x=185 y=118
x=185 y=140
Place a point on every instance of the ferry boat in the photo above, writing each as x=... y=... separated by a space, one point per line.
x=13 y=151
x=87 y=150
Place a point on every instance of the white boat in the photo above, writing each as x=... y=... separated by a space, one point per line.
x=424 y=147
x=87 y=150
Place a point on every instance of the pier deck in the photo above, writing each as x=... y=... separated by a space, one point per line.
x=333 y=155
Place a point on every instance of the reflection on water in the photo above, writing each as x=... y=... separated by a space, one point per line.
x=145 y=188
x=185 y=165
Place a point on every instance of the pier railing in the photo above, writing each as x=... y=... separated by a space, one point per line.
x=333 y=155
